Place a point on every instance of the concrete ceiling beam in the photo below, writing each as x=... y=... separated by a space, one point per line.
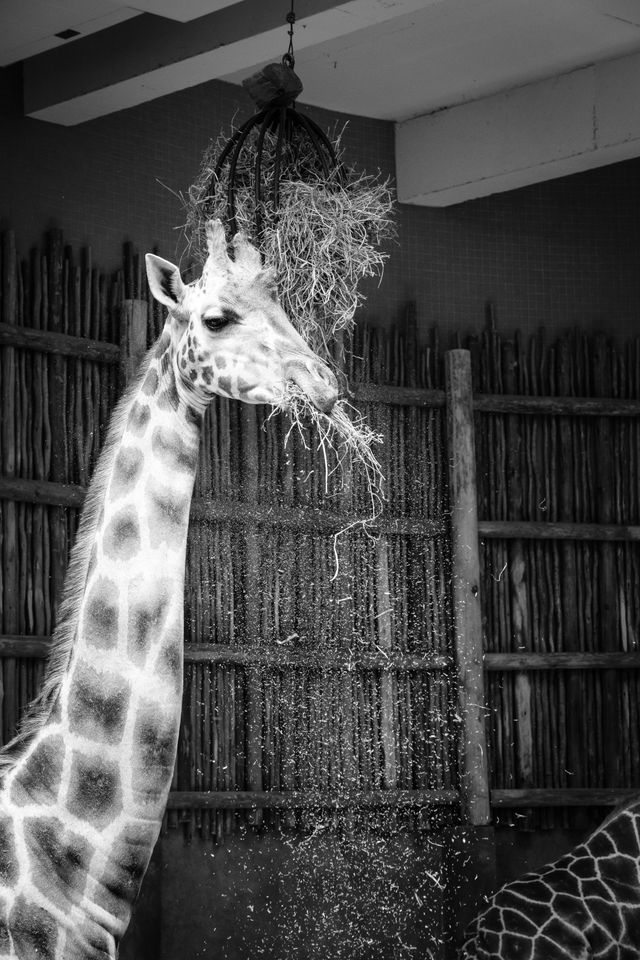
x=150 y=57
x=564 y=125
x=184 y=10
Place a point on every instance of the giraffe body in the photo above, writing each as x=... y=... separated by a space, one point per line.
x=83 y=787
x=585 y=906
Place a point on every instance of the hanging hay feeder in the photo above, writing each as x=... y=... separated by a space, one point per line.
x=318 y=223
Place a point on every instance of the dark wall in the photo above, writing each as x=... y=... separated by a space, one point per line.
x=557 y=254
x=326 y=894
x=285 y=897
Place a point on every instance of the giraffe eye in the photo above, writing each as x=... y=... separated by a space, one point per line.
x=216 y=323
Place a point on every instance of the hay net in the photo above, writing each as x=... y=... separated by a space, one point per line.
x=321 y=235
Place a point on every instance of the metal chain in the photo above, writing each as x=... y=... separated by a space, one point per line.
x=288 y=59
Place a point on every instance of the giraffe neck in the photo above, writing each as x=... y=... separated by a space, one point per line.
x=94 y=778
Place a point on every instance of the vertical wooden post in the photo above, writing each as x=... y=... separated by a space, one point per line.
x=388 y=705
x=133 y=336
x=9 y=614
x=254 y=697
x=517 y=573
x=467 y=621
x=57 y=395
x=609 y=625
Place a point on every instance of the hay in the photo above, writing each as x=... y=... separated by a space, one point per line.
x=322 y=240
x=342 y=437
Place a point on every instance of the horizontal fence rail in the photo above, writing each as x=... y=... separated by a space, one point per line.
x=48 y=341
x=280 y=656
x=583 y=660
x=237 y=511
x=268 y=799
x=300 y=799
x=556 y=406
x=552 y=530
x=564 y=797
x=256 y=655
x=318 y=520
x=61 y=344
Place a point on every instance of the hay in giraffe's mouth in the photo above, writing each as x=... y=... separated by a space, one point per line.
x=345 y=441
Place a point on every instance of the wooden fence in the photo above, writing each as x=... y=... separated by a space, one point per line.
x=364 y=689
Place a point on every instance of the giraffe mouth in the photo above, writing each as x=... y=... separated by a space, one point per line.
x=316 y=381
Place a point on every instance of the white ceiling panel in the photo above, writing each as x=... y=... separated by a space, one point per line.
x=455 y=51
x=183 y=10
x=29 y=27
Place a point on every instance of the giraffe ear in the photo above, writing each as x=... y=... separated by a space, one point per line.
x=165 y=281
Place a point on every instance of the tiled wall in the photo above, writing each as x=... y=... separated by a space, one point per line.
x=557 y=254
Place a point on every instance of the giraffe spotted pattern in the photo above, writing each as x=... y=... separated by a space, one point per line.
x=585 y=906
x=84 y=785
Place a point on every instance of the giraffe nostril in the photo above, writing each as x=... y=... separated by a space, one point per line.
x=327 y=402
x=316 y=380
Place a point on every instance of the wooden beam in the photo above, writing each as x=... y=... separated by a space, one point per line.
x=42 y=491
x=72 y=495
x=62 y=344
x=309 y=518
x=564 y=797
x=467 y=617
x=607 y=660
x=238 y=511
x=16 y=645
x=558 y=406
x=157 y=56
x=252 y=800
x=397 y=396
x=543 y=530
x=257 y=655
x=134 y=336
x=9 y=540
x=517 y=574
x=48 y=341
x=554 y=127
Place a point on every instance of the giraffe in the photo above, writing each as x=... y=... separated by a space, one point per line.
x=585 y=906
x=84 y=784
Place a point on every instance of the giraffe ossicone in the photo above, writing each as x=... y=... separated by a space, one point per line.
x=585 y=906
x=84 y=785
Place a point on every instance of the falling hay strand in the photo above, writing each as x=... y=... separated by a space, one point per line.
x=342 y=436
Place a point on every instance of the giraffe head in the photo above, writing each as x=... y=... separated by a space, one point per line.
x=229 y=334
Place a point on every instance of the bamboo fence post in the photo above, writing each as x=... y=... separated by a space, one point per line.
x=608 y=629
x=133 y=336
x=254 y=699
x=9 y=536
x=467 y=621
x=388 y=712
x=58 y=377
x=384 y=615
x=566 y=581
x=517 y=573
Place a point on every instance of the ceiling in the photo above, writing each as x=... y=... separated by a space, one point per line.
x=407 y=61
